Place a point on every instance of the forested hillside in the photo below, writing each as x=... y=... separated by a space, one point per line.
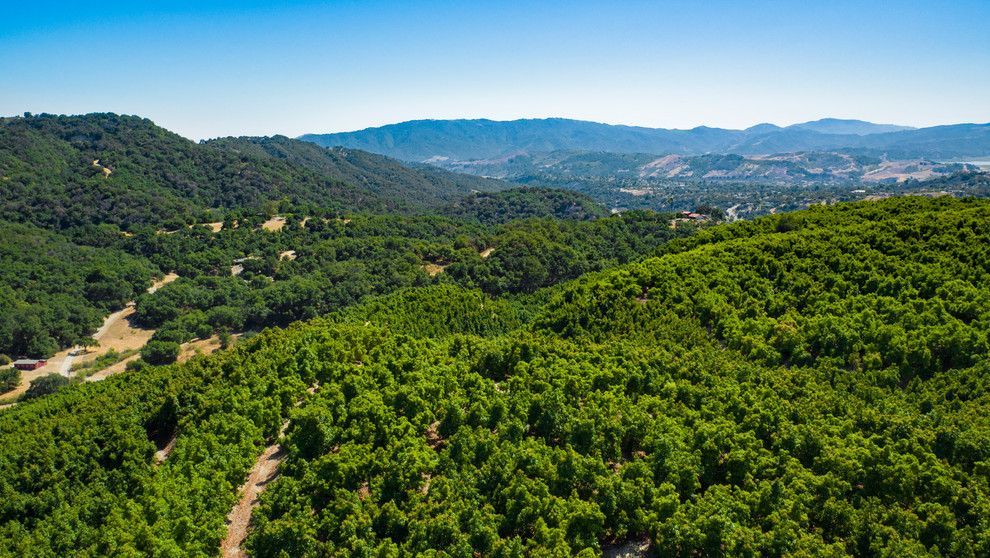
x=64 y=171
x=113 y=197
x=811 y=384
x=241 y=278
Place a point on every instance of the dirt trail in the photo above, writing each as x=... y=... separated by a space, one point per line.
x=633 y=549
x=265 y=470
x=162 y=282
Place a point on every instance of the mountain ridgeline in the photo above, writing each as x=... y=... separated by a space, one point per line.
x=465 y=140
x=419 y=187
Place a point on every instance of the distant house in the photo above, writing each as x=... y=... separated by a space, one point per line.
x=29 y=364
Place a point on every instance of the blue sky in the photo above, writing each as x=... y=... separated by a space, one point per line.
x=207 y=69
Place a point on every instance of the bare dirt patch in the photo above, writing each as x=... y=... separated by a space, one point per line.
x=52 y=367
x=216 y=226
x=106 y=172
x=433 y=437
x=120 y=334
x=274 y=224
x=117 y=333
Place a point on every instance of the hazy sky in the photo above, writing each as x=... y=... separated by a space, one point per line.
x=206 y=69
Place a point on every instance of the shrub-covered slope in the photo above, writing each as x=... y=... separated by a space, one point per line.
x=814 y=385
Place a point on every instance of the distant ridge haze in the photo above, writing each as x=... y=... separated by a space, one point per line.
x=472 y=139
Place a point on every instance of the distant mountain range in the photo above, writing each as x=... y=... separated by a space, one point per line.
x=822 y=167
x=465 y=140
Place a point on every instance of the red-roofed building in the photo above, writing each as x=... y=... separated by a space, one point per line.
x=29 y=363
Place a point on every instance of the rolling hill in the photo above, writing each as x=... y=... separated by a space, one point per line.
x=464 y=140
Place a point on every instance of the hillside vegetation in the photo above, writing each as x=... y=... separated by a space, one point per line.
x=335 y=264
x=812 y=384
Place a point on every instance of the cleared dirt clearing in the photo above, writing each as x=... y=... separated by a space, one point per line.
x=198 y=346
